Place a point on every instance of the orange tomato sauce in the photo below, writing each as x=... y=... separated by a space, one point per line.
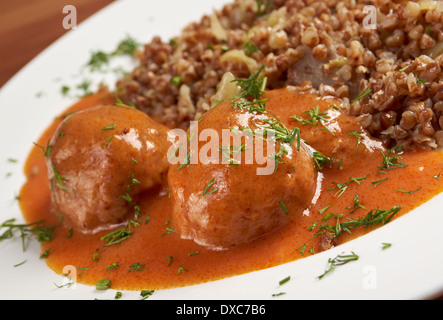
x=165 y=260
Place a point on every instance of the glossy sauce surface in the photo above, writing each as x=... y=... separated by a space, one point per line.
x=155 y=257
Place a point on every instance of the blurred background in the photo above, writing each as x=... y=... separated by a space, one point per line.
x=28 y=26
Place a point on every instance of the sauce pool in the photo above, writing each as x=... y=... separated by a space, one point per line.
x=155 y=258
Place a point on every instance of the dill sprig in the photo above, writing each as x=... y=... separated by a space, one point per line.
x=373 y=217
x=254 y=86
x=363 y=94
x=41 y=232
x=339 y=260
x=314 y=116
x=100 y=58
x=250 y=47
x=262 y=7
x=206 y=191
x=253 y=106
x=343 y=186
x=46 y=150
x=320 y=160
x=409 y=192
x=229 y=153
x=281 y=133
x=57 y=179
x=391 y=162
x=358 y=135
x=127 y=46
x=356 y=205
x=283 y=206
x=116 y=236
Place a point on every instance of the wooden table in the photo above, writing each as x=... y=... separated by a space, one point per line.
x=29 y=26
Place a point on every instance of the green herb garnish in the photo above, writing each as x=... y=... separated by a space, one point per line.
x=181 y=269
x=356 y=205
x=374 y=217
x=146 y=294
x=206 y=191
x=339 y=260
x=262 y=6
x=391 y=162
x=127 y=46
x=116 y=236
x=103 y=284
x=283 y=281
x=254 y=86
x=363 y=94
x=137 y=267
x=110 y=127
x=357 y=135
x=376 y=183
x=282 y=205
x=176 y=81
x=409 y=192
x=314 y=116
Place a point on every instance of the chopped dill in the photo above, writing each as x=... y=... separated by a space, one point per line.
x=409 y=192
x=262 y=7
x=137 y=267
x=391 y=162
x=250 y=47
x=358 y=136
x=127 y=46
x=373 y=217
x=357 y=205
x=116 y=236
x=339 y=260
x=376 y=183
x=283 y=206
x=285 y=280
x=103 y=284
x=98 y=60
x=108 y=141
x=254 y=86
x=206 y=191
x=181 y=269
x=41 y=232
x=110 y=127
x=321 y=211
x=320 y=160
x=314 y=116
x=363 y=94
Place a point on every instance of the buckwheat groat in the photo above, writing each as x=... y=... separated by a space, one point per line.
x=387 y=70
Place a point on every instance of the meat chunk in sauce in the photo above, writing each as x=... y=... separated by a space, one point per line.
x=323 y=126
x=101 y=159
x=229 y=202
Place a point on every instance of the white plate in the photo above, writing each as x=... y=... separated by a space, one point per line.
x=410 y=269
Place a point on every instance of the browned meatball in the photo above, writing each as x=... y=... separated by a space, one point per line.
x=225 y=204
x=324 y=126
x=100 y=160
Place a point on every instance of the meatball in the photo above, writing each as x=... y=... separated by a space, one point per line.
x=323 y=125
x=226 y=201
x=101 y=159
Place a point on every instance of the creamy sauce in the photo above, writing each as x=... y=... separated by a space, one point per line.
x=170 y=261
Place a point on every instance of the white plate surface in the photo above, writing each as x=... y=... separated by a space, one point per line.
x=410 y=269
